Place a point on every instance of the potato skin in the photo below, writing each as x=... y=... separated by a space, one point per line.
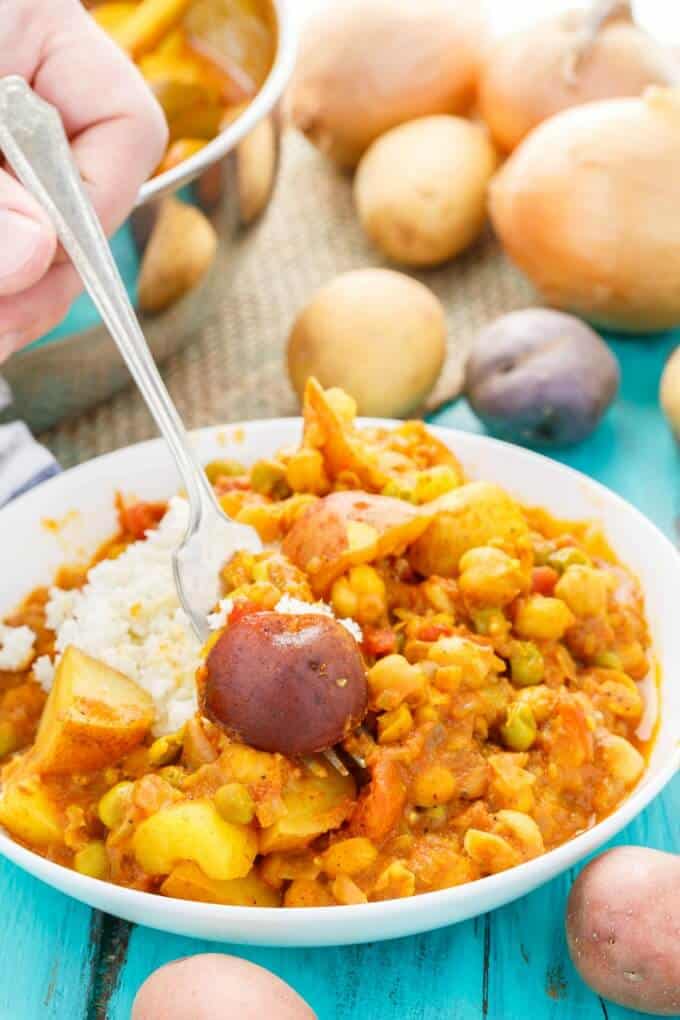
x=623 y=919
x=378 y=334
x=292 y=684
x=420 y=189
x=540 y=376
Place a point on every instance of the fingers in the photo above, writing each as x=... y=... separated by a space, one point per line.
x=27 y=239
x=29 y=315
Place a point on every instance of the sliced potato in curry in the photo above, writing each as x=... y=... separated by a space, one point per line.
x=93 y=716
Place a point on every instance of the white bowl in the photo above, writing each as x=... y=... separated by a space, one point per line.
x=30 y=552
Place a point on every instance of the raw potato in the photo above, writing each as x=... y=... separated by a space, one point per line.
x=367 y=65
x=623 y=919
x=376 y=333
x=211 y=987
x=670 y=391
x=539 y=71
x=180 y=252
x=540 y=376
x=420 y=189
x=587 y=207
x=93 y=716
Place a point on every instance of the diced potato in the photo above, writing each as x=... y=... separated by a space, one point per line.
x=28 y=814
x=349 y=856
x=194 y=831
x=93 y=716
x=307 y=892
x=187 y=882
x=466 y=518
x=315 y=804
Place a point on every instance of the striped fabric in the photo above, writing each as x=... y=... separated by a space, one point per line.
x=23 y=462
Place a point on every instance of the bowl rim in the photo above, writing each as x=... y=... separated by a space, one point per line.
x=307 y=924
x=261 y=104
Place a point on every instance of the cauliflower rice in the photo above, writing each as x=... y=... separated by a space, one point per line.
x=128 y=616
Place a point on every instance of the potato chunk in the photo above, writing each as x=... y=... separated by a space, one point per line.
x=93 y=716
x=194 y=831
x=465 y=518
x=28 y=814
x=315 y=804
x=187 y=882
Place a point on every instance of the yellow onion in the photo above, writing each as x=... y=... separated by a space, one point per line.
x=367 y=65
x=588 y=207
x=574 y=58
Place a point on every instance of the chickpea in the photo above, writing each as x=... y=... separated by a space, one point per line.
x=488 y=576
x=114 y=804
x=540 y=617
x=268 y=477
x=584 y=589
x=436 y=785
x=92 y=860
x=392 y=680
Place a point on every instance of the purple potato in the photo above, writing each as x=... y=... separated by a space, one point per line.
x=295 y=684
x=541 y=377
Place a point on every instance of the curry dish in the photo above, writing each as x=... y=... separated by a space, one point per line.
x=504 y=652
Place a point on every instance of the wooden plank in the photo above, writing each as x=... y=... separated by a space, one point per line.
x=47 y=951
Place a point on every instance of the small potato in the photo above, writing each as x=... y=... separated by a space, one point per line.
x=420 y=190
x=540 y=377
x=623 y=919
x=288 y=683
x=213 y=986
x=670 y=392
x=181 y=250
x=377 y=334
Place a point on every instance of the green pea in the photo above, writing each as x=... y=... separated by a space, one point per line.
x=569 y=556
x=519 y=729
x=435 y=817
x=235 y=804
x=526 y=664
x=608 y=660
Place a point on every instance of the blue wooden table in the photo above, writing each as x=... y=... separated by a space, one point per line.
x=61 y=961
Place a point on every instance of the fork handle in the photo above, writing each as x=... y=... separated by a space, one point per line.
x=34 y=142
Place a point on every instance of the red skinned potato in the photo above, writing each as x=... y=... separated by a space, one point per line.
x=295 y=684
x=348 y=528
x=212 y=986
x=623 y=925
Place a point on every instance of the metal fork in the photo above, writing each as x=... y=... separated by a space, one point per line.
x=34 y=143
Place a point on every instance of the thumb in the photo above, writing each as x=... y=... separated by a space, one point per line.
x=27 y=239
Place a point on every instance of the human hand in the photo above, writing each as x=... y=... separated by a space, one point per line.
x=118 y=135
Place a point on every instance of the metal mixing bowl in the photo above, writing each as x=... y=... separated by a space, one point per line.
x=232 y=179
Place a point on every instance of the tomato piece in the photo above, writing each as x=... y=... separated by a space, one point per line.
x=138 y=518
x=381 y=802
x=379 y=641
x=433 y=631
x=543 y=580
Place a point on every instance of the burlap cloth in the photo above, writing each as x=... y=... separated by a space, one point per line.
x=235 y=368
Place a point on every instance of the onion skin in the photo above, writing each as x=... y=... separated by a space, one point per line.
x=540 y=376
x=587 y=207
x=367 y=65
x=526 y=77
x=623 y=918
